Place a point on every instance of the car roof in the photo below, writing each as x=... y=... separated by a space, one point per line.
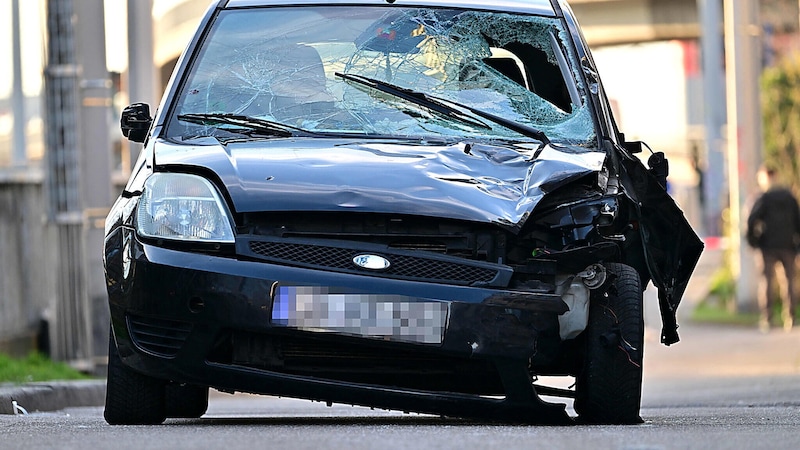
x=541 y=7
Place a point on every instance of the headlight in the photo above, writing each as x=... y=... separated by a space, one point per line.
x=183 y=207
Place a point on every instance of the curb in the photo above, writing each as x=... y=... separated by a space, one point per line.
x=52 y=396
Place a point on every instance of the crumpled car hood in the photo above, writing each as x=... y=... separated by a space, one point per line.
x=475 y=182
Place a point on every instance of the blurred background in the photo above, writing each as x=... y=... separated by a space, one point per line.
x=715 y=84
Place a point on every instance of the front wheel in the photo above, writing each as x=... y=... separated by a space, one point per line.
x=608 y=388
x=131 y=398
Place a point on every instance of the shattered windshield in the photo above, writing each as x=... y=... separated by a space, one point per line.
x=386 y=72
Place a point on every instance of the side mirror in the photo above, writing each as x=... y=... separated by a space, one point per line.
x=659 y=167
x=135 y=121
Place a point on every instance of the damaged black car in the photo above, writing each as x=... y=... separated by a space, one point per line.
x=415 y=205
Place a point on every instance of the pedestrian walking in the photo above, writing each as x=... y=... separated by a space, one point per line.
x=773 y=227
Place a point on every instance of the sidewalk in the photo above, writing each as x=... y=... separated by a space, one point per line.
x=711 y=349
x=51 y=396
x=724 y=350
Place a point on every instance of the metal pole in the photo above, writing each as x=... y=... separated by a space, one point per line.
x=714 y=115
x=141 y=69
x=18 y=157
x=71 y=337
x=743 y=57
x=95 y=158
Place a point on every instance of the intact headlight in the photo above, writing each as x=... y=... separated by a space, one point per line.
x=183 y=207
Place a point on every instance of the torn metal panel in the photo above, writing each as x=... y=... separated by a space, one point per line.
x=671 y=249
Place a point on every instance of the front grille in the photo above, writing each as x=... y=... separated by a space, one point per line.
x=346 y=360
x=402 y=266
x=160 y=337
x=313 y=255
x=307 y=353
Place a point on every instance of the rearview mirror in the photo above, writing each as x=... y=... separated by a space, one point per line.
x=633 y=147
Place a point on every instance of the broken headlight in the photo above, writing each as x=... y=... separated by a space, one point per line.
x=183 y=207
x=581 y=220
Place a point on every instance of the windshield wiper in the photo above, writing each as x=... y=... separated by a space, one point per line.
x=249 y=123
x=414 y=97
x=445 y=107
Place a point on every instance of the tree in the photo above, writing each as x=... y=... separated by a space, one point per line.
x=780 y=97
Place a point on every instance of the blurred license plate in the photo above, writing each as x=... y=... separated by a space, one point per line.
x=390 y=317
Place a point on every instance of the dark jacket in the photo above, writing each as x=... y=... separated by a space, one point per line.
x=774 y=222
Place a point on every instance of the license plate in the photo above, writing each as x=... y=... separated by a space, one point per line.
x=388 y=317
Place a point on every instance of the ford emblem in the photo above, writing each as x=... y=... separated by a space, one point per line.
x=372 y=262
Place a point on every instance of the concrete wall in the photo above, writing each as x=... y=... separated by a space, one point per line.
x=28 y=265
x=27 y=258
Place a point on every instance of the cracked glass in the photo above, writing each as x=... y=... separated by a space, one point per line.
x=295 y=66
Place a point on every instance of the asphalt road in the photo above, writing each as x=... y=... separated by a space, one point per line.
x=720 y=388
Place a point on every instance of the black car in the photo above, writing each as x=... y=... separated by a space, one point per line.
x=417 y=205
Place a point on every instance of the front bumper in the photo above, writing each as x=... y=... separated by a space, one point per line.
x=208 y=320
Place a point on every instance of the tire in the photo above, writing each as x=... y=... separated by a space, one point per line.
x=186 y=401
x=131 y=398
x=609 y=385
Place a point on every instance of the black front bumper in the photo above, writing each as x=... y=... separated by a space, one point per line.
x=208 y=320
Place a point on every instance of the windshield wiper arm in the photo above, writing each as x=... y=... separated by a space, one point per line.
x=446 y=107
x=250 y=123
x=418 y=98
